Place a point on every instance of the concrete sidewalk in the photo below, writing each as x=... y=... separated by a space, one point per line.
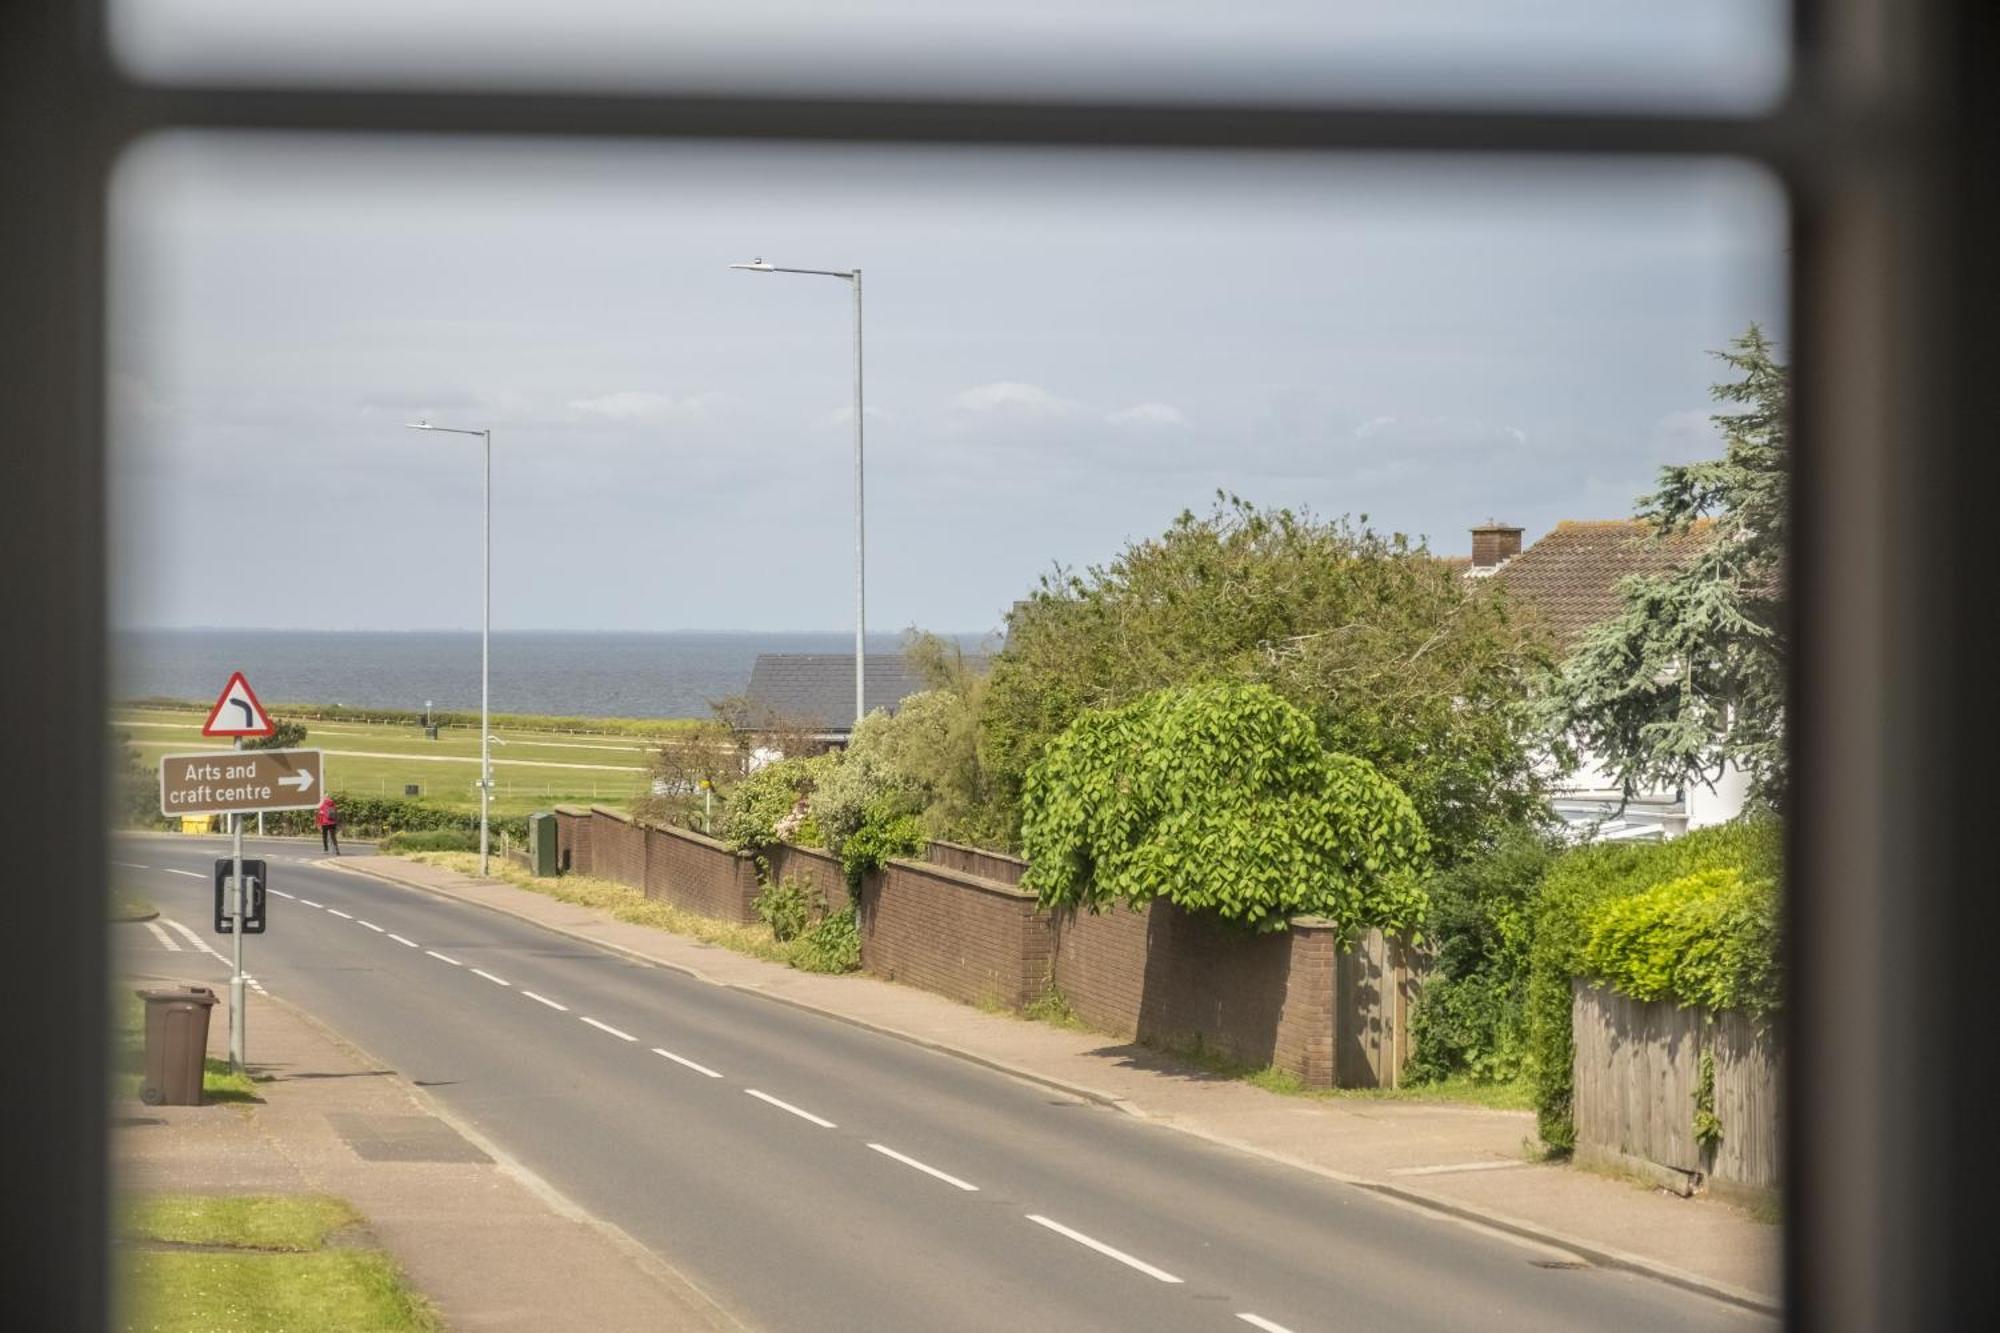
x=491 y=1246
x=1470 y=1162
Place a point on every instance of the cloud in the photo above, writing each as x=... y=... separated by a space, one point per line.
x=1148 y=415
x=1688 y=434
x=1012 y=396
x=634 y=405
x=1441 y=433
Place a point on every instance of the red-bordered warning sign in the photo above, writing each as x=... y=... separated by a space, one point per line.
x=237 y=712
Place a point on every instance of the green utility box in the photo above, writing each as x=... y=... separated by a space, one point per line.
x=542 y=843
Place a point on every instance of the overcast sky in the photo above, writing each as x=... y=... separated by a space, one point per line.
x=1064 y=350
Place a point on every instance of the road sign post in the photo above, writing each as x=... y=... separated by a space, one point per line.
x=236 y=787
x=239 y=1025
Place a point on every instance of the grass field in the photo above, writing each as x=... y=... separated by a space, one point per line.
x=532 y=768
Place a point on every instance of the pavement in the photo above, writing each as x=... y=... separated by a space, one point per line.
x=866 y=1155
x=474 y=1232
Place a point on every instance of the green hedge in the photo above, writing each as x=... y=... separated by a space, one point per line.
x=1471 y=1018
x=1589 y=886
x=375 y=816
x=1706 y=940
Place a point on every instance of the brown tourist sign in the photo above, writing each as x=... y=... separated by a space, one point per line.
x=239 y=782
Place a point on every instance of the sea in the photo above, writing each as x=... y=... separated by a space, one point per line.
x=673 y=674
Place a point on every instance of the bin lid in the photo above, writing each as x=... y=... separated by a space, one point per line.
x=190 y=994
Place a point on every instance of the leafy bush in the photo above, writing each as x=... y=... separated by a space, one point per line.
x=888 y=829
x=765 y=799
x=1397 y=658
x=862 y=789
x=1706 y=940
x=1221 y=799
x=1471 y=1019
x=432 y=840
x=789 y=907
x=834 y=945
x=1575 y=891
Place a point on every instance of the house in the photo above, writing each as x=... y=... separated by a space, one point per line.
x=813 y=693
x=1571 y=577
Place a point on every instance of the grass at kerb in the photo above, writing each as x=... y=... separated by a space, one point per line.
x=532 y=769
x=268 y=1264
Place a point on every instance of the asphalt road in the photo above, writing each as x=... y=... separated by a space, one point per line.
x=814 y=1175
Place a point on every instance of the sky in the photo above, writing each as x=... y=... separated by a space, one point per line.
x=1064 y=350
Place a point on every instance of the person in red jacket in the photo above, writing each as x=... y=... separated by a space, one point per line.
x=329 y=825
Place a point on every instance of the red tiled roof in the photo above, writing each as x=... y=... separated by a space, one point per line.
x=1571 y=575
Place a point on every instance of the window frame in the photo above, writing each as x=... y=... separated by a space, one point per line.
x=1884 y=141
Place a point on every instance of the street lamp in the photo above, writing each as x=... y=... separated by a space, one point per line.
x=853 y=277
x=485 y=632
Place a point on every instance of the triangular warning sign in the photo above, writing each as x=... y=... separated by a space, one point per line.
x=237 y=712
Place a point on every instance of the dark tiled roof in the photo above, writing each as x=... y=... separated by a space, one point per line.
x=1571 y=575
x=818 y=688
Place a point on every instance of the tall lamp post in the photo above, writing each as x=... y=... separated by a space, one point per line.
x=853 y=278
x=485 y=632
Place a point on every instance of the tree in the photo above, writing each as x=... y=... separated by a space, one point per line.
x=288 y=735
x=1690 y=675
x=1221 y=799
x=1397 y=659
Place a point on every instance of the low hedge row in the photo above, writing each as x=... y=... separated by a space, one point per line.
x=377 y=816
x=1693 y=921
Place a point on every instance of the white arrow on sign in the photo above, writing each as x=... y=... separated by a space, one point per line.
x=299 y=780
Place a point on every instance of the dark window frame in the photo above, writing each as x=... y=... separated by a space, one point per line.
x=1886 y=141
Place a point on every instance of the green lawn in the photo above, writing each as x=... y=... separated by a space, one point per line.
x=269 y=1264
x=533 y=769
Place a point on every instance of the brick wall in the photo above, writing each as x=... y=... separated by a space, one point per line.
x=617 y=847
x=976 y=861
x=573 y=839
x=699 y=874
x=975 y=940
x=1168 y=977
x=1162 y=975
x=822 y=869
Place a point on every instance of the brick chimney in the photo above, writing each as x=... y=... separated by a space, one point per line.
x=1493 y=545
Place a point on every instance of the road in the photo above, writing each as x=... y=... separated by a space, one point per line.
x=814 y=1175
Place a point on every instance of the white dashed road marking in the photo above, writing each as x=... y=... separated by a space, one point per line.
x=606 y=1027
x=1157 y=1274
x=442 y=959
x=166 y=940
x=191 y=874
x=543 y=999
x=310 y=903
x=282 y=894
x=203 y=945
x=400 y=940
x=337 y=912
x=1258 y=1321
x=131 y=865
x=371 y=925
x=787 y=1106
x=498 y=981
x=927 y=1170
x=683 y=1060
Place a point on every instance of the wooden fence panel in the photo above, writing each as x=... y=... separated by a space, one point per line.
x=1636 y=1073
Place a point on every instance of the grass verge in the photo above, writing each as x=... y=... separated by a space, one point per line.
x=626 y=904
x=1515 y=1095
x=269 y=1263
x=239 y=1221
